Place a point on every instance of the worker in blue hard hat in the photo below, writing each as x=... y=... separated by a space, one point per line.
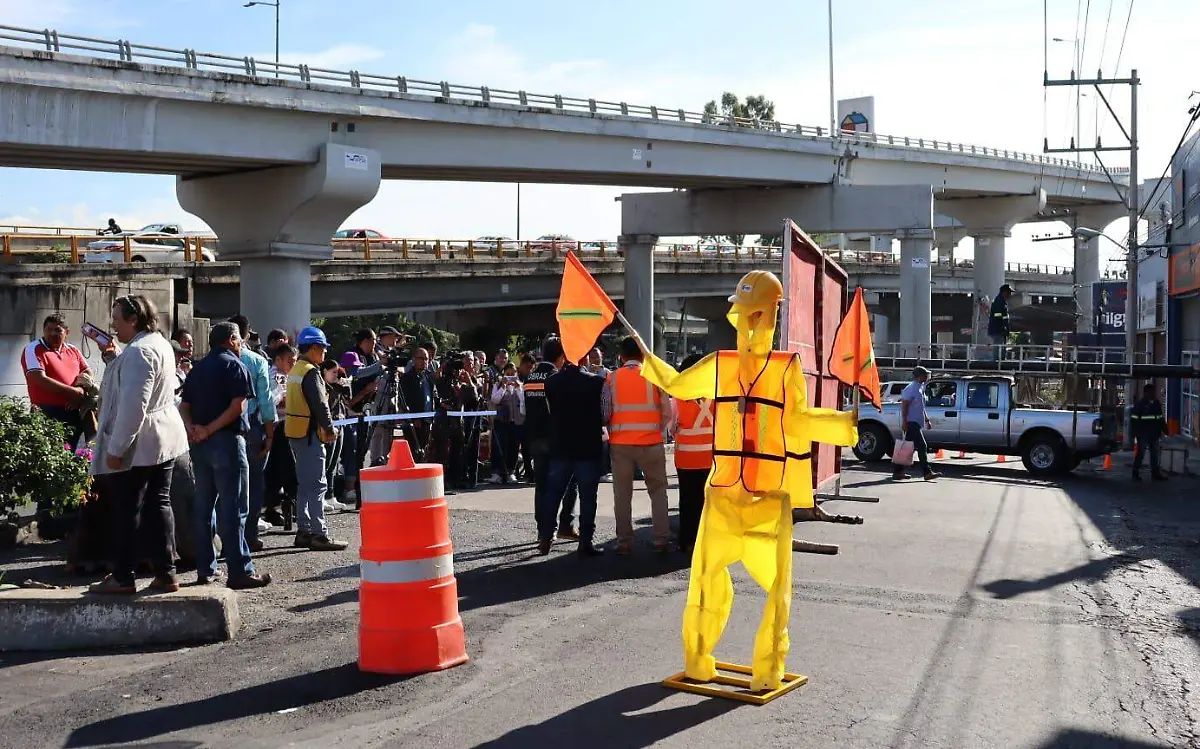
x=308 y=426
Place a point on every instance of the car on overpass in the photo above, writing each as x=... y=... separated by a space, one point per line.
x=358 y=234
x=554 y=243
x=150 y=247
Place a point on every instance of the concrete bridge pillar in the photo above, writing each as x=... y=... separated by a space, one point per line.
x=277 y=221
x=1087 y=258
x=638 y=305
x=945 y=249
x=916 y=287
x=990 y=222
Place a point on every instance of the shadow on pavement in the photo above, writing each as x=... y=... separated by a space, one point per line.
x=524 y=575
x=295 y=691
x=1074 y=738
x=991 y=473
x=1089 y=572
x=615 y=721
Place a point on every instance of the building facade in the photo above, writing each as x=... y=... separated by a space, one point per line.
x=1183 y=284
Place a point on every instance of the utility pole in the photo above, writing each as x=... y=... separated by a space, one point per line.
x=1130 y=197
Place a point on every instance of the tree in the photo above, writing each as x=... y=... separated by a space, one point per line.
x=340 y=330
x=754 y=108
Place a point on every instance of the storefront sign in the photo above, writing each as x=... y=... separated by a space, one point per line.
x=1184 y=270
x=1147 y=305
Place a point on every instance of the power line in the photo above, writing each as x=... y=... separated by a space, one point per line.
x=1104 y=41
x=1117 y=66
x=1158 y=186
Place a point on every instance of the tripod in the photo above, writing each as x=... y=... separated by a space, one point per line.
x=389 y=400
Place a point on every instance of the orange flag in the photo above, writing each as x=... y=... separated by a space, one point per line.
x=853 y=359
x=584 y=310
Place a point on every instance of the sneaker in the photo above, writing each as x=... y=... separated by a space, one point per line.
x=164 y=584
x=351 y=497
x=255 y=546
x=250 y=581
x=273 y=516
x=495 y=479
x=567 y=534
x=544 y=547
x=325 y=543
x=332 y=505
x=511 y=478
x=606 y=478
x=303 y=540
x=264 y=526
x=932 y=475
x=900 y=477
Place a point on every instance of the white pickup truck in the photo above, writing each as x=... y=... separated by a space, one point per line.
x=979 y=414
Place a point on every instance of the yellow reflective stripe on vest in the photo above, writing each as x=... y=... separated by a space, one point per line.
x=412 y=571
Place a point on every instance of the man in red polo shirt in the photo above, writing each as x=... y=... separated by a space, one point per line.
x=51 y=367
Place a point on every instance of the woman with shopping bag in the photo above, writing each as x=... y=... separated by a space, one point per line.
x=913 y=420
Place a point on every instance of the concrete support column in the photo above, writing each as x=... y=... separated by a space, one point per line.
x=989 y=275
x=1087 y=272
x=916 y=288
x=277 y=221
x=945 y=250
x=639 y=284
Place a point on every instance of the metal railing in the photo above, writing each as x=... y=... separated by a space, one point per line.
x=1012 y=359
x=74 y=248
x=1190 y=411
x=856 y=257
x=269 y=72
x=64 y=231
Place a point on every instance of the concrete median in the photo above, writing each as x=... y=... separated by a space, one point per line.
x=73 y=619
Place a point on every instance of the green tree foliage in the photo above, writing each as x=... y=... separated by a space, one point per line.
x=341 y=330
x=754 y=108
x=35 y=464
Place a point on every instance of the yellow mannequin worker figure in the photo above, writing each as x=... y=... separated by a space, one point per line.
x=762 y=438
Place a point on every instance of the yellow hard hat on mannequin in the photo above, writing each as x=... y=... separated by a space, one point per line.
x=758 y=288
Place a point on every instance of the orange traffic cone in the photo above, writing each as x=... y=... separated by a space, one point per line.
x=1000 y=458
x=940 y=454
x=1108 y=462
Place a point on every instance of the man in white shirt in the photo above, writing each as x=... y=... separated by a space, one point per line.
x=912 y=420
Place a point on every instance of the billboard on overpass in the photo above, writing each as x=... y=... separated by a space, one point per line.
x=857 y=115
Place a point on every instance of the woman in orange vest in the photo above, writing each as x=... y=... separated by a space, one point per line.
x=693 y=432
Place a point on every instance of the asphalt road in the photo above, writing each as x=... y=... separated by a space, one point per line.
x=983 y=610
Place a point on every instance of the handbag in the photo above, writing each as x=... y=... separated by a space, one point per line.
x=902 y=453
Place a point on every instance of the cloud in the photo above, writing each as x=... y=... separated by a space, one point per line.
x=338 y=57
x=36 y=13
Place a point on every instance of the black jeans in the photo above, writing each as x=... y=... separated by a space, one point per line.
x=280 y=473
x=143 y=520
x=72 y=424
x=1147 y=444
x=914 y=434
x=691 y=503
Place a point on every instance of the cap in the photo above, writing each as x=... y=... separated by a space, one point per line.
x=919 y=370
x=1007 y=287
x=388 y=330
x=252 y=333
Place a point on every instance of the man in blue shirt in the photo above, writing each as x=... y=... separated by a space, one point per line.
x=213 y=406
x=912 y=419
x=260 y=413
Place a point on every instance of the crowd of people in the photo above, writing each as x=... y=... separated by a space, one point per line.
x=276 y=432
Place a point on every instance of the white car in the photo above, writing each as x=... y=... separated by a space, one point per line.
x=150 y=247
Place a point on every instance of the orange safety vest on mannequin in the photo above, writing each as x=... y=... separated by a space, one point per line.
x=751 y=449
x=693 y=441
x=636 y=409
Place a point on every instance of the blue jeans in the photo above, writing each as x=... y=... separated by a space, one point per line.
x=310 y=484
x=586 y=475
x=222 y=486
x=255 y=441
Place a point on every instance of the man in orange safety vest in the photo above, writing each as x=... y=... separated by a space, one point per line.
x=693 y=432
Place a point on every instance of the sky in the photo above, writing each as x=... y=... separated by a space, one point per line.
x=958 y=70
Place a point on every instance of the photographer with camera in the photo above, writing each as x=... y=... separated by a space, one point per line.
x=508 y=398
x=456 y=391
x=418 y=388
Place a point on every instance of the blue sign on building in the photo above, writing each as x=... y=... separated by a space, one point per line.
x=1108 y=307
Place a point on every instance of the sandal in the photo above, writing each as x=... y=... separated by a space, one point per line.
x=111 y=586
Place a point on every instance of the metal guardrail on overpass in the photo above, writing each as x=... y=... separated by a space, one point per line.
x=465 y=250
x=444 y=91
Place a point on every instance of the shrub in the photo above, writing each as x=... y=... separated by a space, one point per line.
x=35 y=464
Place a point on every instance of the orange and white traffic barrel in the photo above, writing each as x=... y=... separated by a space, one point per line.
x=408 y=597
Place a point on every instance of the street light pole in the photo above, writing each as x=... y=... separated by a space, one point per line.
x=275 y=5
x=833 y=128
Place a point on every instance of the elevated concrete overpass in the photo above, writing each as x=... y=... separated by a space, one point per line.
x=275 y=164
